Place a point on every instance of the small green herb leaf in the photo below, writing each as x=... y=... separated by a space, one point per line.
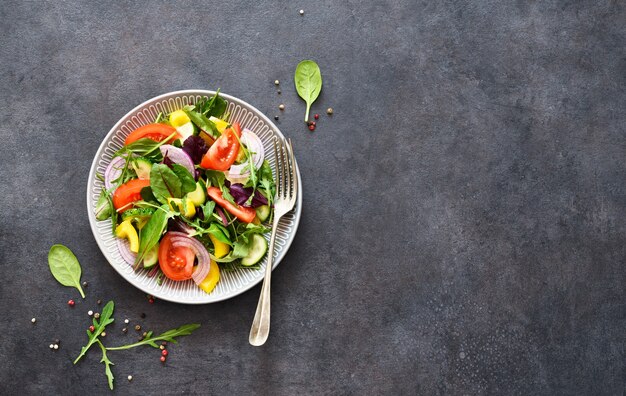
x=107 y=365
x=105 y=319
x=164 y=183
x=308 y=79
x=103 y=207
x=169 y=336
x=202 y=122
x=65 y=267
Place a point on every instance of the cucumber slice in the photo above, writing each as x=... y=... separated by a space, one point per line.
x=258 y=248
x=198 y=196
x=151 y=257
x=142 y=167
x=186 y=130
x=263 y=212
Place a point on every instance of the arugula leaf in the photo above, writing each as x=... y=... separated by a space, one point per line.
x=266 y=181
x=227 y=196
x=169 y=336
x=145 y=147
x=151 y=233
x=107 y=364
x=215 y=178
x=65 y=267
x=188 y=183
x=236 y=265
x=308 y=80
x=105 y=319
x=214 y=106
x=202 y=122
x=164 y=183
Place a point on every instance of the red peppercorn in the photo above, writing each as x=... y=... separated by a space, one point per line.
x=311 y=127
x=92 y=329
x=164 y=352
x=316 y=116
x=151 y=301
x=313 y=123
x=71 y=303
x=163 y=359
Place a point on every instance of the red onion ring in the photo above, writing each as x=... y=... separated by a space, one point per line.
x=124 y=247
x=113 y=171
x=178 y=156
x=222 y=215
x=240 y=173
x=180 y=239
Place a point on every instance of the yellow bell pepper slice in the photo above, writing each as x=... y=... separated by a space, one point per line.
x=126 y=230
x=220 y=125
x=178 y=118
x=221 y=249
x=188 y=211
x=208 y=284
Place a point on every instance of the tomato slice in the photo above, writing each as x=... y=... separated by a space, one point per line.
x=156 y=132
x=241 y=212
x=223 y=152
x=175 y=262
x=128 y=193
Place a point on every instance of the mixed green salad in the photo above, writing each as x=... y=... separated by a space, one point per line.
x=189 y=195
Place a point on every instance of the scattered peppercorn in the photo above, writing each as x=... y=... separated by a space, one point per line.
x=311 y=127
x=90 y=312
x=161 y=347
x=126 y=321
x=163 y=359
x=145 y=333
x=316 y=116
x=276 y=82
x=124 y=330
x=140 y=338
x=85 y=284
x=51 y=346
x=103 y=334
x=329 y=111
x=130 y=377
x=33 y=320
x=281 y=106
x=164 y=352
x=151 y=300
x=71 y=303
x=96 y=315
x=143 y=315
x=99 y=302
x=313 y=123
x=57 y=341
x=137 y=327
x=92 y=329
x=301 y=12
x=279 y=92
x=276 y=118
x=56 y=346
x=164 y=343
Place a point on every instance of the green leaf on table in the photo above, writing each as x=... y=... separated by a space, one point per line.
x=308 y=80
x=107 y=365
x=65 y=267
x=106 y=318
x=169 y=336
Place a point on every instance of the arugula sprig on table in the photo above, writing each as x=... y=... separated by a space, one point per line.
x=99 y=326
x=169 y=336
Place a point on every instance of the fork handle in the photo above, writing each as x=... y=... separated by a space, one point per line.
x=261 y=324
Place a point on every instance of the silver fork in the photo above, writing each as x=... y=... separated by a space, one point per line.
x=286 y=195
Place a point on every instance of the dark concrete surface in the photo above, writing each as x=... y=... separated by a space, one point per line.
x=463 y=229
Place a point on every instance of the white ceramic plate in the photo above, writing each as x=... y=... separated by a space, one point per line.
x=231 y=283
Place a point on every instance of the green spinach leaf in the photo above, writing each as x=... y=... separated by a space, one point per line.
x=65 y=267
x=103 y=206
x=308 y=79
x=188 y=184
x=202 y=122
x=151 y=233
x=164 y=183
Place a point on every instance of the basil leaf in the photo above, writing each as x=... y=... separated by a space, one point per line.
x=164 y=183
x=203 y=123
x=151 y=233
x=65 y=267
x=188 y=183
x=308 y=79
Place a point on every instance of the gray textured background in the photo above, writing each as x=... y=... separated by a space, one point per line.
x=464 y=209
